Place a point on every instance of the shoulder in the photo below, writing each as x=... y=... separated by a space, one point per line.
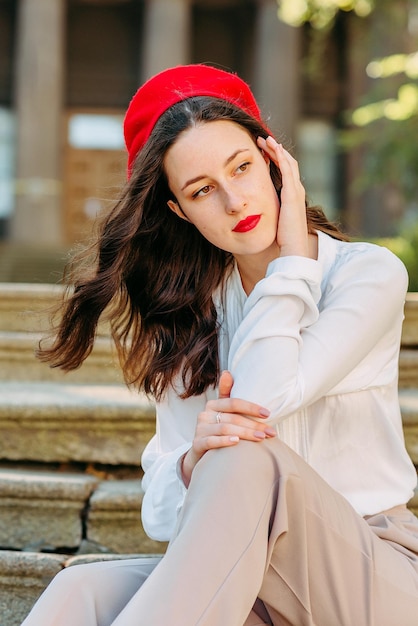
x=362 y=268
x=367 y=260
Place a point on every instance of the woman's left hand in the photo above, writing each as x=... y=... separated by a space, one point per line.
x=224 y=422
x=292 y=231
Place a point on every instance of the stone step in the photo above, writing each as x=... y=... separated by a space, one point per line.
x=30 y=263
x=24 y=319
x=108 y=424
x=42 y=510
x=408 y=368
x=18 y=362
x=24 y=575
x=72 y=513
x=26 y=307
x=413 y=503
x=409 y=405
x=52 y=422
x=111 y=518
x=410 y=324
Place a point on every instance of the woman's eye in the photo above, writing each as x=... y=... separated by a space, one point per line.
x=202 y=191
x=243 y=167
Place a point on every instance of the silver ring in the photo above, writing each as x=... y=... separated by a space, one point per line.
x=218 y=417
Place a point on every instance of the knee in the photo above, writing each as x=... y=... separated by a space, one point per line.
x=73 y=578
x=248 y=461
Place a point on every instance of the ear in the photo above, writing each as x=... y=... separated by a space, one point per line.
x=176 y=208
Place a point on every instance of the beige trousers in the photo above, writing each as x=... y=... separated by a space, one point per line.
x=261 y=539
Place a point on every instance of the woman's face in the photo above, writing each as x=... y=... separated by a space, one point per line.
x=222 y=184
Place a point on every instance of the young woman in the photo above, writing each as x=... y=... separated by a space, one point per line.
x=278 y=470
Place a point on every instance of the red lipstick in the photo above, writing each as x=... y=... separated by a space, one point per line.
x=247 y=224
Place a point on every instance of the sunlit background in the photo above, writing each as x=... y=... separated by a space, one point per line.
x=336 y=79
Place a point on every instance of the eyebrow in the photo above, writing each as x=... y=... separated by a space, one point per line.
x=227 y=162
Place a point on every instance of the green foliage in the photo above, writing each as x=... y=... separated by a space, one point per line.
x=320 y=13
x=386 y=123
x=388 y=126
x=391 y=157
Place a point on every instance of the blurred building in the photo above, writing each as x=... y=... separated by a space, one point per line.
x=68 y=69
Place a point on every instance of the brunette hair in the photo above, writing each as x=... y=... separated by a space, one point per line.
x=155 y=274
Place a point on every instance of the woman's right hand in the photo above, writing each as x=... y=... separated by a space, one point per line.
x=292 y=232
x=223 y=423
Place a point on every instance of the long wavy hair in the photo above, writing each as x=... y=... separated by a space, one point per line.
x=154 y=274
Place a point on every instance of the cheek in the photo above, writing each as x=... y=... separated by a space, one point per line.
x=208 y=231
x=198 y=221
x=204 y=218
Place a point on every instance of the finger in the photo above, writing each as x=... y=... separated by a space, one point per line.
x=225 y=384
x=237 y=405
x=287 y=164
x=268 y=149
x=229 y=436
x=243 y=427
x=225 y=420
x=213 y=441
x=285 y=160
x=250 y=429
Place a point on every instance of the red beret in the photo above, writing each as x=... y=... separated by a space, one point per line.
x=173 y=85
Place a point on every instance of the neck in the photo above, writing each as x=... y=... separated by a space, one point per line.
x=253 y=268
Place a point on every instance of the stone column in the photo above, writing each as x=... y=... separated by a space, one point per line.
x=277 y=75
x=167 y=35
x=38 y=100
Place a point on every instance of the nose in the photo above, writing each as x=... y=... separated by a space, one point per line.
x=233 y=201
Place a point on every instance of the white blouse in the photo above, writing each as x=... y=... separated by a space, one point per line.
x=317 y=343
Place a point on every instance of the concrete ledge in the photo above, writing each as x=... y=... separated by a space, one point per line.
x=413 y=503
x=42 y=510
x=408 y=368
x=27 y=307
x=78 y=513
x=114 y=518
x=91 y=423
x=18 y=362
x=409 y=406
x=23 y=577
x=410 y=324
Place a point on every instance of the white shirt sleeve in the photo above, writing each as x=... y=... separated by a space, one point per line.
x=162 y=482
x=295 y=344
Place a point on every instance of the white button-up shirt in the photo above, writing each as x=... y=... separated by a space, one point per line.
x=317 y=343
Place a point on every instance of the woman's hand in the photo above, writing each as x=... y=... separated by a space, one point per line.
x=292 y=231
x=223 y=423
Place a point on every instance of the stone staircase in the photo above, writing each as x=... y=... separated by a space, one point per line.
x=70 y=447
x=70 y=450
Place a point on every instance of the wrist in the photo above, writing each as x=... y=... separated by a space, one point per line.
x=187 y=466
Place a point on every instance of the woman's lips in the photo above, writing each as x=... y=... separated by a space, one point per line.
x=247 y=224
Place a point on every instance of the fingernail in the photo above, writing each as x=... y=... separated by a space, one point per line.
x=259 y=434
x=271 y=432
x=234 y=439
x=264 y=412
